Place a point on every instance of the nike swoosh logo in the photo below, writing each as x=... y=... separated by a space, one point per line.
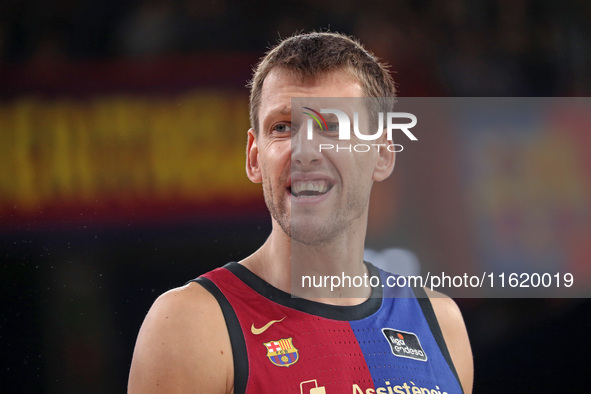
x=257 y=331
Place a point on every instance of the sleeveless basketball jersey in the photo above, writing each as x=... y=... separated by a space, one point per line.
x=290 y=345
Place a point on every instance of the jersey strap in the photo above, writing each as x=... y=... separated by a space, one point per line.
x=235 y=332
x=429 y=314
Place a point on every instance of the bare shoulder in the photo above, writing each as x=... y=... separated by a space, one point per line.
x=454 y=332
x=183 y=346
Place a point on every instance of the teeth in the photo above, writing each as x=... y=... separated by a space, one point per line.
x=309 y=188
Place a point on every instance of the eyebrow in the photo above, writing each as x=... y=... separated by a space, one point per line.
x=276 y=111
x=281 y=110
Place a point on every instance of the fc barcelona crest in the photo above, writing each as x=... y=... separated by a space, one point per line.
x=281 y=352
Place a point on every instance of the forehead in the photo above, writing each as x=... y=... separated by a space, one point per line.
x=281 y=85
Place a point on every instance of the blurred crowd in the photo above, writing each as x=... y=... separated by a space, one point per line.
x=452 y=47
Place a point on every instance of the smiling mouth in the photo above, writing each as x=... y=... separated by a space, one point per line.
x=313 y=188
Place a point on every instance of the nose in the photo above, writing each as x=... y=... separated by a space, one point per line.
x=305 y=151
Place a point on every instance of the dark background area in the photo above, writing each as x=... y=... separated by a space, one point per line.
x=78 y=276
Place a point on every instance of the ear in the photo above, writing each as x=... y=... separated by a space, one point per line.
x=252 y=158
x=385 y=163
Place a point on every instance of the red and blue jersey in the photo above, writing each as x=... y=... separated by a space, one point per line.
x=389 y=344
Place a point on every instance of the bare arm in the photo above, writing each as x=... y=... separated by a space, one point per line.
x=456 y=337
x=183 y=346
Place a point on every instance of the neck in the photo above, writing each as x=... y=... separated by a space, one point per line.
x=313 y=272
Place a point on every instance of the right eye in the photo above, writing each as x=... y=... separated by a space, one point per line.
x=281 y=128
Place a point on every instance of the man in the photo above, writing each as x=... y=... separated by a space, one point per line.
x=237 y=329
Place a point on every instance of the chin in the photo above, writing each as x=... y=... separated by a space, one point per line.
x=309 y=233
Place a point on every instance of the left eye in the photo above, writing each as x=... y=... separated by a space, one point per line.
x=333 y=127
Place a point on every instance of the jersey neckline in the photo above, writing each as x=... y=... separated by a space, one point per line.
x=334 y=312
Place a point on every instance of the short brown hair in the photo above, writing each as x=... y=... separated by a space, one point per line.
x=311 y=54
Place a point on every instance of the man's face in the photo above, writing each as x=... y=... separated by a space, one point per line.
x=311 y=195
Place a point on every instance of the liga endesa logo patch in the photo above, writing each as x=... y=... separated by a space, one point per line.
x=404 y=344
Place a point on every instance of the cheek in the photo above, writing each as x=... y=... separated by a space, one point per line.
x=360 y=164
x=273 y=177
x=278 y=154
x=366 y=161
